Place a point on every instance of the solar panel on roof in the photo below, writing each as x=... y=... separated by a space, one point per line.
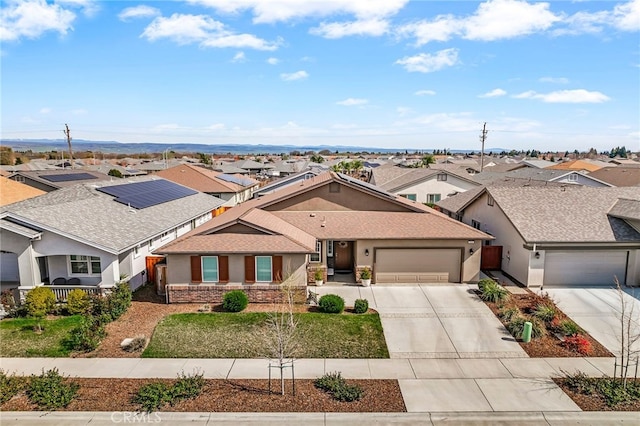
x=141 y=195
x=235 y=179
x=67 y=177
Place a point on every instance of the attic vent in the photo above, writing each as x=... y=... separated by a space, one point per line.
x=312 y=215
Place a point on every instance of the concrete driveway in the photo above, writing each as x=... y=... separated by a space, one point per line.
x=434 y=321
x=597 y=310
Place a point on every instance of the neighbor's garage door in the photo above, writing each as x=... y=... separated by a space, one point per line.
x=417 y=265
x=584 y=267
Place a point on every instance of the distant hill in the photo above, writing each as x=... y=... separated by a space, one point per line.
x=40 y=145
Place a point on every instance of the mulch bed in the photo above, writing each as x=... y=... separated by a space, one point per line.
x=548 y=346
x=229 y=396
x=594 y=402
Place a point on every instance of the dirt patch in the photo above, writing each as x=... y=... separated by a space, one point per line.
x=548 y=346
x=229 y=396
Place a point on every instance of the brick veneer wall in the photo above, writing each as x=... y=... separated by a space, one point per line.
x=213 y=293
x=311 y=272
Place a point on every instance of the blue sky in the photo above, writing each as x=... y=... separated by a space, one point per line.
x=378 y=73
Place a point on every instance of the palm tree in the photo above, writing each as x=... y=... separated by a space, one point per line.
x=317 y=158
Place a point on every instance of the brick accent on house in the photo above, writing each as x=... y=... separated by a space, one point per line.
x=213 y=293
x=359 y=269
x=311 y=271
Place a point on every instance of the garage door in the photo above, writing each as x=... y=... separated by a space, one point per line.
x=417 y=265
x=9 y=267
x=584 y=267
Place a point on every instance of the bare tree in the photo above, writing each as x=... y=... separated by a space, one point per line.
x=283 y=335
x=629 y=335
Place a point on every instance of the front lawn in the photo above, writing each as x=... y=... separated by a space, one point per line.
x=241 y=335
x=18 y=338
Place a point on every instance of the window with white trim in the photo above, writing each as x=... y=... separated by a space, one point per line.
x=165 y=235
x=411 y=197
x=441 y=177
x=263 y=269
x=210 y=269
x=490 y=200
x=573 y=177
x=475 y=224
x=315 y=257
x=329 y=248
x=136 y=251
x=84 y=265
x=433 y=198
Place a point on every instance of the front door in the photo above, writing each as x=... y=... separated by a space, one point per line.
x=343 y=253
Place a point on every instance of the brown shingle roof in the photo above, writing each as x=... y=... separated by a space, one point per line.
x=235 y=243
x=618 y=176
x=12 y=191
x=200 y=179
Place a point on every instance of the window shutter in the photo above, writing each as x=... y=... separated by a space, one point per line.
x=223 y=269
x=196 y=269
x=249 y=269
x=276 y=268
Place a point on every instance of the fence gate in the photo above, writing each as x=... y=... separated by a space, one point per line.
x=491 y=258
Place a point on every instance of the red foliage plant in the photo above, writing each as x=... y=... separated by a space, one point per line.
x=578 y=343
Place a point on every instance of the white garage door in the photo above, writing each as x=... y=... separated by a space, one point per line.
x=417 y=265
x=9 y=267
x=584 y=267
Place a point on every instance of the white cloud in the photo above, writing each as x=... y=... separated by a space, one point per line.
x=353 y=102
x=32 y=18
x=576 y=96
x=187 y=29
x=141 y=11
x=424 y=62
x=89 y=7
x=493 y=20
x=45 y=110
x=623 y=17
x=626 y=17
x=493 y=93
x=273 y=61
x=217 y=126
x=555 y=80
x=333 y=30
x=239 y=57
x=298 y=75
x=425 y=93
x=286 y=10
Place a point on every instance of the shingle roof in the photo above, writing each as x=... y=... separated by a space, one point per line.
x=36 y=175
x=577 y=214
x=12 y=191
x=590 y=165
x=235 y=243
x=201 y=179
x=626 y=208
x=415 y=176
x=83 y=213
x=618 y=176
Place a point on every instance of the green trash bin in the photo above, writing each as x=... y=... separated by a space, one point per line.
x=526 y=332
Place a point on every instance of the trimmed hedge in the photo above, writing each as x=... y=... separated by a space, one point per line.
x=235 y=301
x=331 y=304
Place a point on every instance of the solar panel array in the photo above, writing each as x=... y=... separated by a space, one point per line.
x=141 y=195
x=242 y=181
x=367 y=185
x=67 y=177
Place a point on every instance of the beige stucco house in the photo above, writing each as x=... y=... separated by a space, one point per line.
x=331 y=222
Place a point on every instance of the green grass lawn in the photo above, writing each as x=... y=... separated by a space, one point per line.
x=242 y=335
x=18 y=338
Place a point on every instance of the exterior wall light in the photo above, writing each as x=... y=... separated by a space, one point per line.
x=366 y=252
x=537 y=255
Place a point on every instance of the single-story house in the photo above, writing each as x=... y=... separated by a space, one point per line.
x=232 y=188
x=557 y=235
x=89 y=235
x=50 y=180
x=331 y=222
x=283 y=182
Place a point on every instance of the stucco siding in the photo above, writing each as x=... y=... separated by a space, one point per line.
x=433 y=186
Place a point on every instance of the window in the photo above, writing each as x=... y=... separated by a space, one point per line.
x=475 y=224
x=490 y=200
x=263 y=269
x=441 y=177
x=136 y=251
x=165 y=235
x=19 y=178
x=85 y=265
x=433 y=198
x=411 y=197
x=329 y=248
x=152 y=244
x=573 y=177
x=210 y=269
x=315 y=257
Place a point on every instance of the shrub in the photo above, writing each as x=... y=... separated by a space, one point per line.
x=516 y=326
x=365 y=274
x=40 y=301
x=334 y=384
x=484 y=282
x=569 y=328
x=7 y=299
x=119 y=301
x=507 y=314
x=187 y=387
x=87 y=335
x=578 y=343
x=361 y=306
x=318 y=275
x=152 y=396
x=235 y=301
x=494 y=292
x=51 y=390
x=331 y=304
x=9 y=386
x=545 y=312
x=78 y=302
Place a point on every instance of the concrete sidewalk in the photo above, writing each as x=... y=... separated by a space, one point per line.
x=529 y=418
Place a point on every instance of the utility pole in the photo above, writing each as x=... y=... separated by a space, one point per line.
x=483 y=137
x=67 y=133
